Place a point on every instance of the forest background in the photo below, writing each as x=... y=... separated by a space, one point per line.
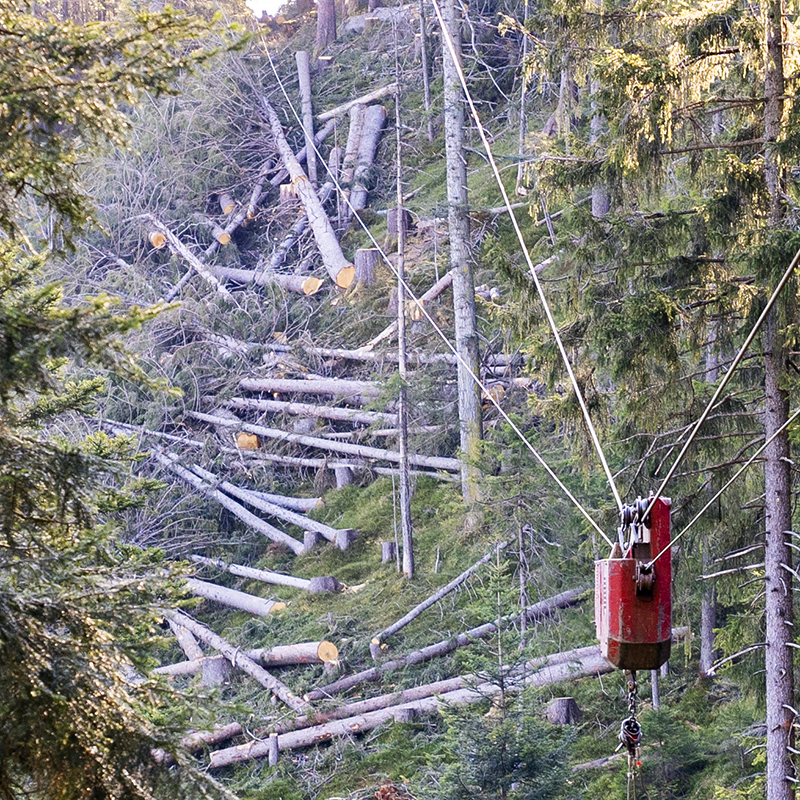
x=651 y=151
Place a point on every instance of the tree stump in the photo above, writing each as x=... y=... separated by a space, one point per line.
x=345 y=537
x=310 y=540
x=324 y=585
x=365 y=261
x=392 y=219
x=344 y=476
x=216 y=672
x=388 y=552
x=274 y=753
x=563 y=711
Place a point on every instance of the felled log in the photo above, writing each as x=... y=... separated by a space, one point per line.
x=157 y=239
x=180 y=249
x=284 y=655
x=320 y=136
x=350 y=158
x=226 y=203
x=313 y=585
x=364 y=451
x=535 y=611
x=299 y=284
x=365 y=260
x=309 y=410
x=186 y=640
x=350 y=391
x=324 y=463
x=238 y=659
x=337 y=266
x=374 y=121
x=297 y=503
x=380 y=637
x=235 y=508
x=364 y=100
x=233 y=598
x=286 y=514
x=304 y=82
x=443 y=283
x=220 y=234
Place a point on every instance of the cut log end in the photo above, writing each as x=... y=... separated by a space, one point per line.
x=344 y=278
x=221 y=235
x=157 y=239
x=311 y=285
x=279 y=606
x=327 y=652
x=226 y=203
x=247 y=441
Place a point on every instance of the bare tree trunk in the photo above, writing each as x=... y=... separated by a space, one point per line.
x=310 y=410
x=779 y=607
x=426 y=70
x=523 y=120
x=407 y=536
x=350 y=157
x=304 y=80
x=351 y=391
x=469 y=399
x=364 y=100
x=233 y=598
x=186 y=641
x=374 y=121
x=326 y=24
x=708 y=619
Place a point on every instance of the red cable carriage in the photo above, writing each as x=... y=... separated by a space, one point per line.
x=633 y=595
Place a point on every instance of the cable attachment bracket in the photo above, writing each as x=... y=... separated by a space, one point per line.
x=630 y=732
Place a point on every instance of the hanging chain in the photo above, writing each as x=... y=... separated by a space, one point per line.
x=630 y=735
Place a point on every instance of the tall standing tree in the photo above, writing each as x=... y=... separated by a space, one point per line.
x=469 y=399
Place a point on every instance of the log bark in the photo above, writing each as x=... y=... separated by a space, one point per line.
x=286 y=514
x=180 y=249
x=374 y=121
x=392 y=219
x=274 y=578
x=364 y=100
x=323 y=463
x=235 y=508
x=350 y=157
x=322 y=134
x=304 y=81
x=285 y=655
x=365 y=260
x=310 y=540
x=388 y=552
x=247 y=665
x=310 y=410
x=535 y=611
x=233 y=598
x=299 y=284
x=381 y=636
x=326 y=24
x=186 y=641
x=337 y=266
x=296 y=503
x=351 y=391
x=443 y=283
x=431 y=462
x=226 y=203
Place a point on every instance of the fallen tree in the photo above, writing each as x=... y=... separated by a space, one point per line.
x=299 y=284
x=311 y=410
x=321 y=585
x=233 y=598
x=364 y=100
x=364 y=451
x=348 y=390
x=374 y=122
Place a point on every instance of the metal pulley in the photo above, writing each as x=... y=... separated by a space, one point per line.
x=633 y=595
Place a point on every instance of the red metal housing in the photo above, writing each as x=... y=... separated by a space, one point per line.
x=634 y=617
